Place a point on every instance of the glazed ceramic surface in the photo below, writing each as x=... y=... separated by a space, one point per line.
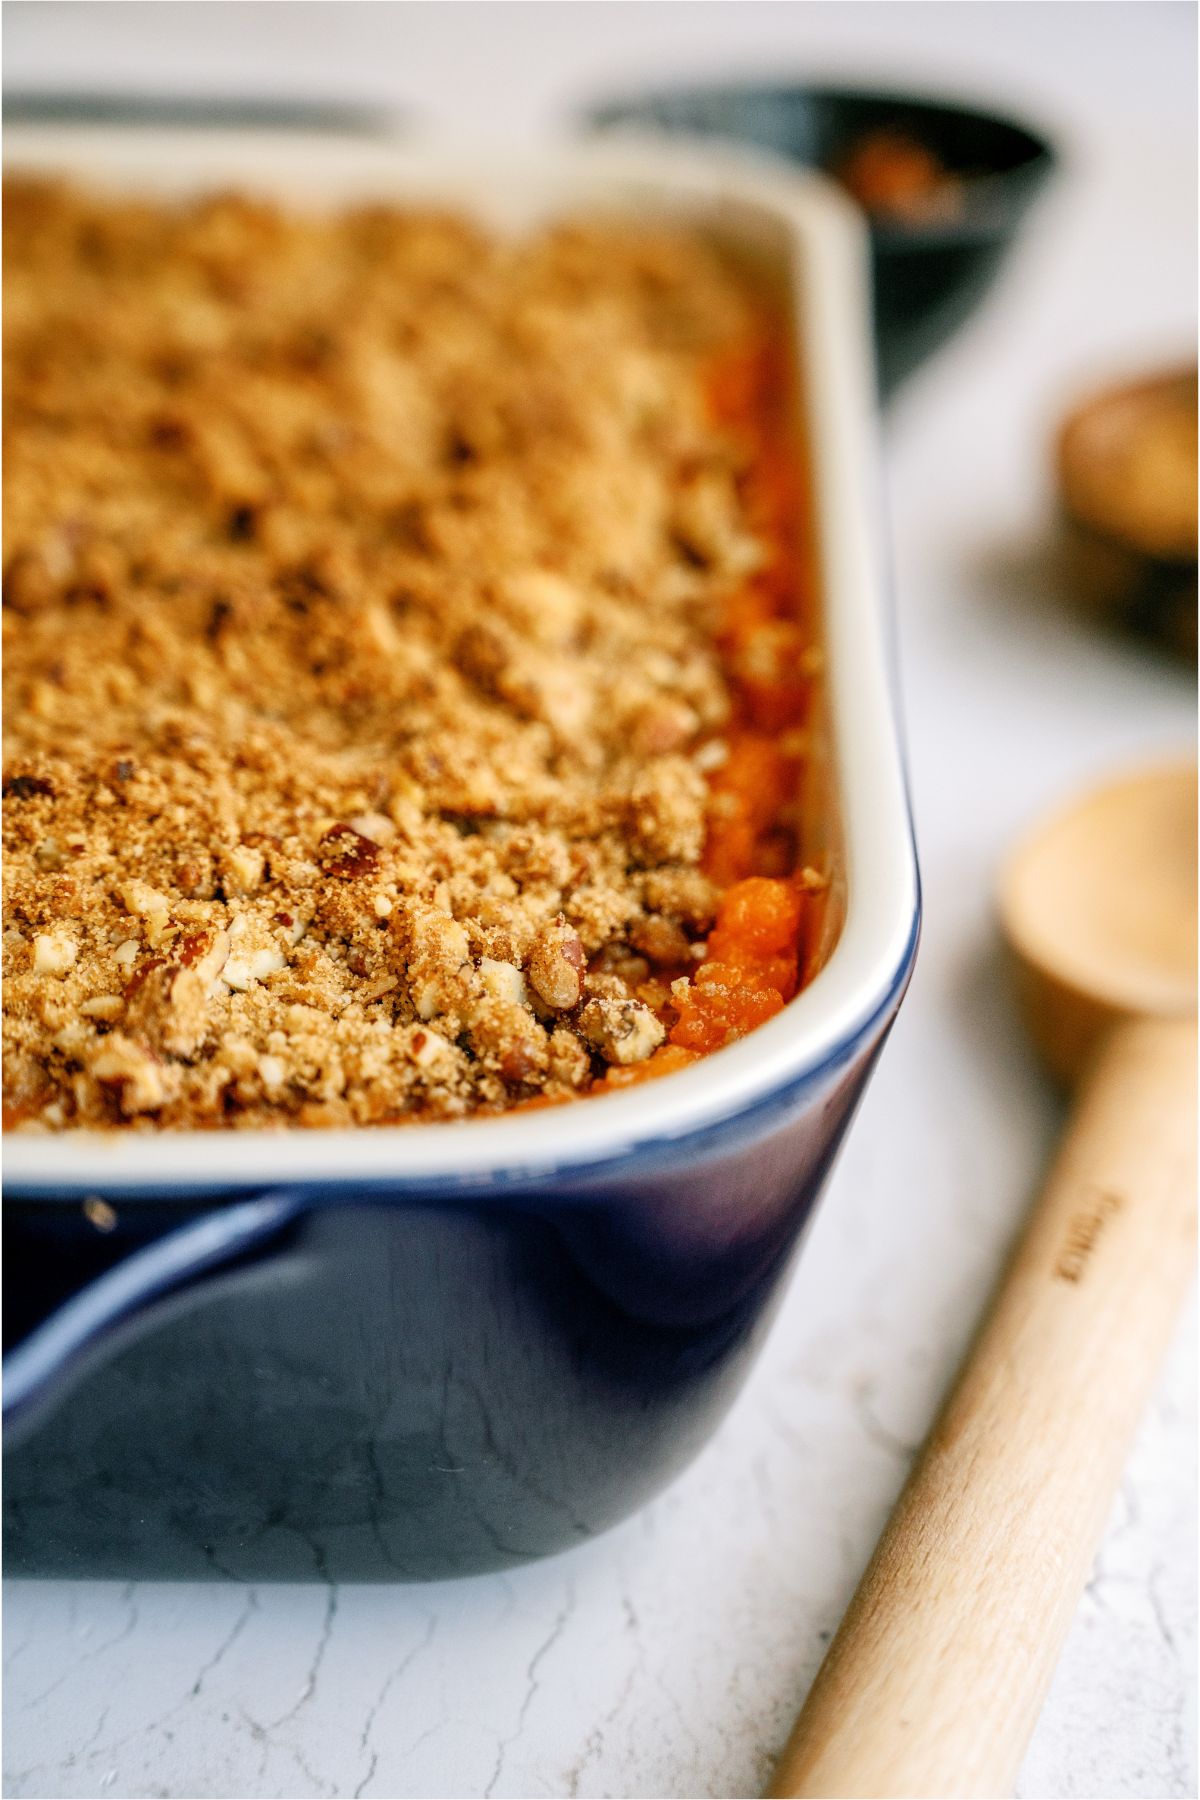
x=404 y=1353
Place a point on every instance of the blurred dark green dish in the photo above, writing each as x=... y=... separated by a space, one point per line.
x=929 y=274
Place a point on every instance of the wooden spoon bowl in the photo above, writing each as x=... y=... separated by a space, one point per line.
x=1099 y=906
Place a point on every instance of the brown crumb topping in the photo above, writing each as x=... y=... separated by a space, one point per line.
x=363 y=577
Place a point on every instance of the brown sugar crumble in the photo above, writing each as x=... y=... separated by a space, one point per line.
x=401 y=677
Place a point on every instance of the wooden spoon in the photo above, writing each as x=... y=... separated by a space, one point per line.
x=936 y=1677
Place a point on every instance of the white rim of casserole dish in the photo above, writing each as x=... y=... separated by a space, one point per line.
x=830 y=309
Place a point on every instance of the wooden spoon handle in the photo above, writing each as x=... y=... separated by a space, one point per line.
x=935 y=1679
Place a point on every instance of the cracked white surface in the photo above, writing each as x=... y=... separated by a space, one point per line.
x=668 y=1657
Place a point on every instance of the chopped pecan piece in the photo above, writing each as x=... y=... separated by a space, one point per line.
x=557 y=966
x=347 y=853
x=624 y=1031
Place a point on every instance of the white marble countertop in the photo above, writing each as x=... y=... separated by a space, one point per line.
x=667 y=1658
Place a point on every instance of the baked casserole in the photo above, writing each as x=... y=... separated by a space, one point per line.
x=408 y=658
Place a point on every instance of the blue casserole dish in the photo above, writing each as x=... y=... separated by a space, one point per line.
x=426 y=1351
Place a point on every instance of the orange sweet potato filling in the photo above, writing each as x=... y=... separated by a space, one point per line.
x=755 y=953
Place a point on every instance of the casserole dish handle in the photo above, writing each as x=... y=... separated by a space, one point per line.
x=107 y=1311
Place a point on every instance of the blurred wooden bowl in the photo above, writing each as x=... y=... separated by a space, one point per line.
x=1127 y=473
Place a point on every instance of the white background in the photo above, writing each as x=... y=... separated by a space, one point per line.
x=668 y=1657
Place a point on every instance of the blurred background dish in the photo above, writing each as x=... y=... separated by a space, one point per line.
x=945 y=187
x=1127 y=471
